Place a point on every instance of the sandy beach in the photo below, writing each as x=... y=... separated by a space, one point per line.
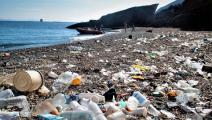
x=98 y=59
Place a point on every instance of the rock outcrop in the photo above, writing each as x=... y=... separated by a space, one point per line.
x=184 y=14
x=138 y=16
x=191 y=14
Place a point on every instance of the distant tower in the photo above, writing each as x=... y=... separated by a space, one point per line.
x=41 y=20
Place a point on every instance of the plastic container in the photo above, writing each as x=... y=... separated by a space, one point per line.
x=92 y=96
x=29 y=80
x=20 y=101
x=45 y=107
x=77 y=115
x=182 y=85
x=122 y=104
x=132 y=103
x=71 y=98
x=141 y=99
x=92 y=106
x=59 y=100
x=49 y=117
x=6 y=94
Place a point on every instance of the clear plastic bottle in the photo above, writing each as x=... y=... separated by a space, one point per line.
x=77 y=115
x=9 y=115
x=59 y=101
x=132 y=103
x=65 y=80
x=92 y=106
x=20 y=102
x=6 y=94
x=143 y=101
x=77 y=107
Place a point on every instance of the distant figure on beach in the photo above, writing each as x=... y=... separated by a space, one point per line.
x=95 y=28
x=100 y=27
x=133 y=28
x=125 y=27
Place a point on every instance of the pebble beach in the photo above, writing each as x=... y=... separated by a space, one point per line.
x=97 y=60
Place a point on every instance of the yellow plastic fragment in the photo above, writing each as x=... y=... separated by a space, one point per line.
x=138 y=77
x=141 y=68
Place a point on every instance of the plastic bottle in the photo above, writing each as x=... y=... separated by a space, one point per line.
x=117 y=116
x=122 y=104
x=77 y=107
x=186 y=87
x=70 y=98
x=20 y=102
x=77 y=115
x=70 y=77
x=9 y=115
x=153 y=111
x=92 y=106
x=132 y=103
x=60 y=86
x=65 y=80
x=6 y=94
x=141 y=99
x=45 y=107
x=49 y=117
x=59 y=100
x=92 y=96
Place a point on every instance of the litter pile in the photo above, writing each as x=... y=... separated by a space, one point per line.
x=148 y=82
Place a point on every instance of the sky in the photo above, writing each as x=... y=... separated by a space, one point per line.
x=67 y=10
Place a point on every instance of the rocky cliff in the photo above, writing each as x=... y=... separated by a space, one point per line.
x=138 y=16
x=191 y=14
x=185 y=14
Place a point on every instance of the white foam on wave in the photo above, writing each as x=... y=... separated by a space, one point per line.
x=88 y=37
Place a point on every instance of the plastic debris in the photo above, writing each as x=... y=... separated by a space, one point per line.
x=65 y=80
x=44 y=91
x=6 y=94
x=20 y=101
x=9 y=116
x=77 y=115
x=52 y=74
x=49 y=117
x=93 y=96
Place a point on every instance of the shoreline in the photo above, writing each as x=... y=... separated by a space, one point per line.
x=98 y=59
x=74 y=39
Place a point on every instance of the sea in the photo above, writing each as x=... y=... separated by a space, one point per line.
x=27 y=34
